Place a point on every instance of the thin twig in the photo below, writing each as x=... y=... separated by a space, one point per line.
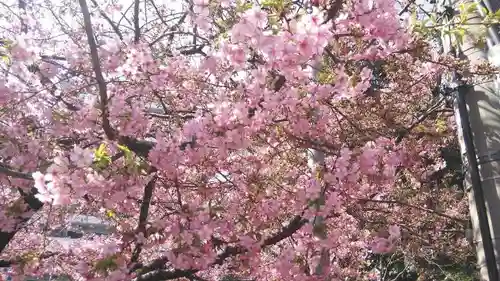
x=101 y=83
x=414 y=207
x=113 y=25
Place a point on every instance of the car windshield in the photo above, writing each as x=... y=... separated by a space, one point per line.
x=80 y=226
x=99 y=229
x=61 y=232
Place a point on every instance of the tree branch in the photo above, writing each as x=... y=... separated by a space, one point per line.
x=334 y=10
x=94 y=55
x=33 y=205
x=404 y=132
x=143 y=215
x=29 y=198
x=294 y=225
x=137 y=28
x=191 y=51
x=194 y=277
x=151 y=275
x=139 y=147
x=6 y=263
x=406 y=7
x=15 y=174
x=22 y=6
x=414 y=207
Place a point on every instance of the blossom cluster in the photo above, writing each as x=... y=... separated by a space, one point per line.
x=202 y=163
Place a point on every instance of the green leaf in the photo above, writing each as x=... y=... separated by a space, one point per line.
x=6 y=43
x=242 y=6
x=5 y=58
x=270 y=4
x=413 y=16
x=130 y=161
x=462 y=7
x=441 y=126
x=463 y=17
x=433 y=19
x=325 y=77
x=497 y=14
x=472 y=7
x=101 y=157
x=106 y=264
x=110 y=214
x=276 y=5
x=28 y=257
x=101 y=150
x=459 y=35
x=128 y=153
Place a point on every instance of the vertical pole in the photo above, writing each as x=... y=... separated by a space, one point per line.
x=479 y=212
x=477 y=113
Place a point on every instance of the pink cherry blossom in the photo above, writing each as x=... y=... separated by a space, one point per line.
x=81 y=157
x=234 y=137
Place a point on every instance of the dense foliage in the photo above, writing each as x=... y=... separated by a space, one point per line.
x=190 y=126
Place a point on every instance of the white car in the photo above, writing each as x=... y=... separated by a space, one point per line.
x=78 y=227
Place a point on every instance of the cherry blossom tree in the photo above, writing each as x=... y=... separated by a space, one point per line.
x=187 y=126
